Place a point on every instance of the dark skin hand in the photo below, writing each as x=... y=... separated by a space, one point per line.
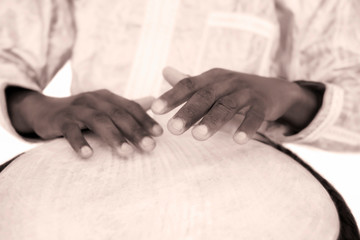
x=215 y=97
x=121 y=123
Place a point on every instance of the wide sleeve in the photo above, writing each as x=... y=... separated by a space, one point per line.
x=36 y=38
x=325 y=51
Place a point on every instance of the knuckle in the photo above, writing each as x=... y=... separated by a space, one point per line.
x=126 y=121
x=188 y=84
x=138 y=112
x=216 y=70
x=246 y=93
x=83 y=99
x=206 y=94
x=245 y=89
x=239 y=83
x=100 y=117
x=228 y=104
x=212 y=120
x=115 y=135
x=65 y=114
x=137 y=134
x=107 y=131
x=219 y=73
x=189 y=112
x=244 y=96
x=244 y=84
x=118 y=113
x=103 y=91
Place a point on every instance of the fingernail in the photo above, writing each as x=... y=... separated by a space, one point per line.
x=86 y=152
x=241 y=138
x=147 y=144
x=125 y=150
x=176 y=126
x=157 y=130
x=158 y=106
x=200 y=132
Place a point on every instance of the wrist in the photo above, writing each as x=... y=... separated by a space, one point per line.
x=22 y=106
x=307 y=100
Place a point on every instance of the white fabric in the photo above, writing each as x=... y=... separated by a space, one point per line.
x=122 y=46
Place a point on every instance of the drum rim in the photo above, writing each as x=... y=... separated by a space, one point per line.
x=348 y=226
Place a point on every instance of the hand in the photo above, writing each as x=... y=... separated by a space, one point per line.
x=217 y=95
x=116 y=120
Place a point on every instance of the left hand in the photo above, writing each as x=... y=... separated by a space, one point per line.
x=217 y=95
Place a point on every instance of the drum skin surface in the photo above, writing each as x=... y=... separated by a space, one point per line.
x=185 y=189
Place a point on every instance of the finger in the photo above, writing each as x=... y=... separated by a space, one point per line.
x=144 y=120
x=254 y=118
x=231 y=126
x=99 y=123
x=197 y=106
x=135 y=109
x=135 y=133
x=222 y=112
x=72 y=132
x=173 y=76
x=180 y=93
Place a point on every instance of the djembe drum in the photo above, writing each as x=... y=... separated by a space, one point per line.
x=185 y=189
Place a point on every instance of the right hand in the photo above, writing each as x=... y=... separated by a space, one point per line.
x=118 y=121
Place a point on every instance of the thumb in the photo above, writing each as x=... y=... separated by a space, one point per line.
x=173 y=76
x=145 y=102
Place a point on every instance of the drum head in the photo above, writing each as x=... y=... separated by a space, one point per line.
x=185 y=189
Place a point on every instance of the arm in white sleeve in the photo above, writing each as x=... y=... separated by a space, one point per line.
x=35 y=41
x=329 y=53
